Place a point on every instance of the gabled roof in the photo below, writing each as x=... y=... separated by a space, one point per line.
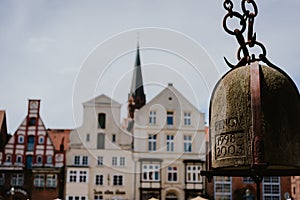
x=102 y=100
x=58 y=137
x=176 y=93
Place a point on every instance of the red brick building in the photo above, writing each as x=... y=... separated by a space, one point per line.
x=31 y=164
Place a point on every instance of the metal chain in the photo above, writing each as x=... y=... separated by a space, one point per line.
x=246 y=21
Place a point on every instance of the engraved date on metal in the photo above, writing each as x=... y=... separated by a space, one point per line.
x=230 y=145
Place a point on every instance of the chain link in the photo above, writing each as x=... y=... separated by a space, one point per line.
x=246 y=21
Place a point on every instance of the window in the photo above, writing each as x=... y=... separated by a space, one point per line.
x=21 y=139
x=8 y=158
x=41 y=140
x=76 y=197
x=152 y=142
x=193 y=173
x=99 y=180
x=32 y=121
x=17 y=180
x=85 y=160
x=151 y=172
x=122 y=161
x=83 y=176
x=2 y=178
x=76 y=160
x=271 y=188
x=51 y=181
x=118 y=161
x=222 y=186
x=87 y=137
x=100 y=141
x=114 y=161
x=49 y=159
x=187 y=143
x=172 y=174
x=152 y=117
x=78 y=176
x=117 y=180
x=98 y=197
x=170 y=143
x=19 y=159
x=72 y=176
x=113 y=139
x=81 y=160
x=39 y=159
x=101 y=120
x=30 y=143
x=187 y=118
x=170 y=118
x=39 y=180
x=100 y=161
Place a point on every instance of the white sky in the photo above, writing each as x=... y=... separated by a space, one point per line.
x=46 y=48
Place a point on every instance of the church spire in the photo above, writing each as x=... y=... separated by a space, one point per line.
x=137 y=97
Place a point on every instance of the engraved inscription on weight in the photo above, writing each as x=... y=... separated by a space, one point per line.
x=230 y=145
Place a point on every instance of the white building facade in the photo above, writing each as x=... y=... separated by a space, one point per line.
x=169 y=148
x=99 y=162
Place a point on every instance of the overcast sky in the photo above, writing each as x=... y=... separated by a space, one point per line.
x=47 y=48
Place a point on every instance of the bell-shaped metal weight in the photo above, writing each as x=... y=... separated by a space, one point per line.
x=255 y=120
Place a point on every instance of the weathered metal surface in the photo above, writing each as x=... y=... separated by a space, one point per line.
x=236 y=126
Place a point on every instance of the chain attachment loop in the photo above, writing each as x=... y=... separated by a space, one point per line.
x=246 y=21
x=231 y=15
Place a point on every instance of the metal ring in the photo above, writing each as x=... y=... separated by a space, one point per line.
x=237 y=15
x=228 y=5
x=249 y=43
x=247 y=12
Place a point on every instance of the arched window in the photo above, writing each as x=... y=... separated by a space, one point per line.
x=19 y=159
x=8 y=158
x=39 y=159
x=100 y=141
x=101 y=120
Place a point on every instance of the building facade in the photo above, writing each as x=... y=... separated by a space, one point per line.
x=30 y=166
x=158 y=151
x=99 y=161
x=169 y=148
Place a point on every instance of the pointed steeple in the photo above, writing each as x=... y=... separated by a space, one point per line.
x=137 y=97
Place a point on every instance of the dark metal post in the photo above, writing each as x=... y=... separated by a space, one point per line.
x=258 y=190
